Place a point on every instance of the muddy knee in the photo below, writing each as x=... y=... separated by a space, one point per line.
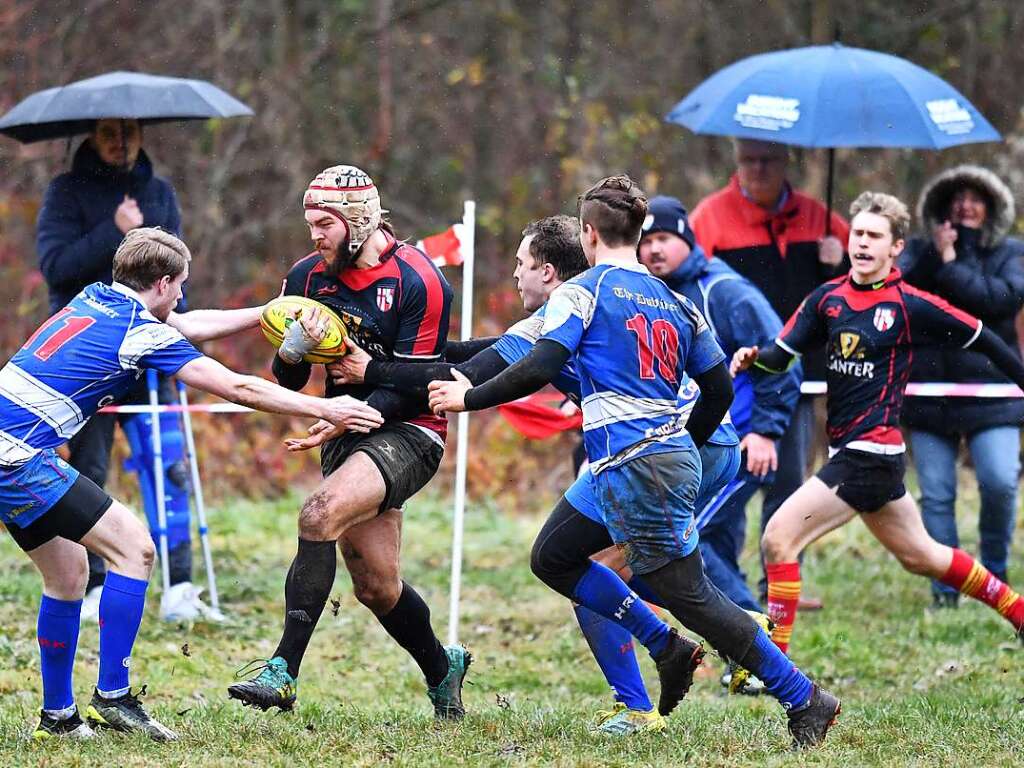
x=776 y=548
x=147 y=555
x=316 y=521
x=379 y=595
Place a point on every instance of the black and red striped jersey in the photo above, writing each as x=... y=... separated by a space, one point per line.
x=397 y=310
x=869 y=332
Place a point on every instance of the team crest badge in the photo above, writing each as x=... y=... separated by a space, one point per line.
x=884 y=318
x=386 y=298
x=848 y=344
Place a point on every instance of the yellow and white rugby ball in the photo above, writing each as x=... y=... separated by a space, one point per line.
x=285 y=310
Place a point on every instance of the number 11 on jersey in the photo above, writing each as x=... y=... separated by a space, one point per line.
x=68 y=326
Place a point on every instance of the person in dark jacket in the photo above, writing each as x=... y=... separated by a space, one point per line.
x=966 y=258
x=110 y=190
x=739 y=315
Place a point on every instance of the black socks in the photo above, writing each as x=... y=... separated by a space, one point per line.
x=409 y=624
x=306 y=590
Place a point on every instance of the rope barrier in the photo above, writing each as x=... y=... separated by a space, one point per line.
x=195 y=408
x=915 y=389
x=935 y=389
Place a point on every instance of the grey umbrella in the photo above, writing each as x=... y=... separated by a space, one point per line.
x=72 y=109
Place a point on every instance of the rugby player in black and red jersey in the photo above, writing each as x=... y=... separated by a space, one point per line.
x=869 y=321
x=395 y=304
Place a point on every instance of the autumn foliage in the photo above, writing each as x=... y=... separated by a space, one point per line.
x=516 y=105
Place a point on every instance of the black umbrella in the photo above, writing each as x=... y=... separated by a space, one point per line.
x=72 y=109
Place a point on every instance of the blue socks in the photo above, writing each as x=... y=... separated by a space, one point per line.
x=601 y=590
x=121 y=609
x=57 y=632
x=612 y=647
x=780 y=676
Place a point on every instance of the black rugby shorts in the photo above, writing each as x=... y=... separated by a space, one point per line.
x=406 y=456
x=71 y=518
x=866 y=481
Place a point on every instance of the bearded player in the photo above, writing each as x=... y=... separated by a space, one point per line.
x=549 y=254
x=869 y=322
x=395 y=304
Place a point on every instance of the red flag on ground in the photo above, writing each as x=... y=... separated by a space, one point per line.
x=536 y=418
x=444 y=248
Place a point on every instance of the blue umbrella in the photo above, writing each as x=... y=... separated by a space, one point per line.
x=71 y=109
x=832 y=96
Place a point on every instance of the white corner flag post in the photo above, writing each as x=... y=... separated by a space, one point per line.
x=199 y=504
x=158 y=479
x=467 y=247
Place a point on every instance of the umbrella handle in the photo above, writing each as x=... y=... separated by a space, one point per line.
x=828 y=191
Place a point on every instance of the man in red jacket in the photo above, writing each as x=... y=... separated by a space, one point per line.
x=777 y=238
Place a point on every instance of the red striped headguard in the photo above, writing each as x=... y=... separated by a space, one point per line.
x=348 y=192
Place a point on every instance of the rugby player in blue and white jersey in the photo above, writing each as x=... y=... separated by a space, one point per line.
x=633 y=340
x=85 y=357
x=549 y=254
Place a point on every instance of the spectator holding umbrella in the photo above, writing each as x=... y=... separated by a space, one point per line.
x=110 y=190
x=773 y=235
x=827 y=96
x=965 y=256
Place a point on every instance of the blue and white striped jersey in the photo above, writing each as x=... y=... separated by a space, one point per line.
x=634 y=341
x=518 y=340
x=86 y=356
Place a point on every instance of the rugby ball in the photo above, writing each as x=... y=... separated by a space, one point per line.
x=285 y=310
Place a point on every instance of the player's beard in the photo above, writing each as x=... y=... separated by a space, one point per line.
x=338 y=259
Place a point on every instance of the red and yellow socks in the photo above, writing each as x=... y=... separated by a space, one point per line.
x=975 y=580
x=783 y=596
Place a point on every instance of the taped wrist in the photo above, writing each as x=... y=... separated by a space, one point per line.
x=296 y=344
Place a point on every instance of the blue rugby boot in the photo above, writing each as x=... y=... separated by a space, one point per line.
x=446 y=696
x=272 y=687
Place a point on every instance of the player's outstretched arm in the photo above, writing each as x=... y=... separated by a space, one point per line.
x=207 y=374
x=528 y=375
x=201 y=325
x=772 y=360
x=999 y=352
x=462 y=351
x=410 y=376
x=715 y=398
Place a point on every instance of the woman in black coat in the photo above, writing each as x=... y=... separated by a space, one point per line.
x=967 y=258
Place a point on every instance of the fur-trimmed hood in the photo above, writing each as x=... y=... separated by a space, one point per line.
x=933 y=205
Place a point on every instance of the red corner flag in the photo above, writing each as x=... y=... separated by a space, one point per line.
x=535 y=417
x=444 y=248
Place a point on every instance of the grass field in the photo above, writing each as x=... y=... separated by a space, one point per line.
x=919 y=688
